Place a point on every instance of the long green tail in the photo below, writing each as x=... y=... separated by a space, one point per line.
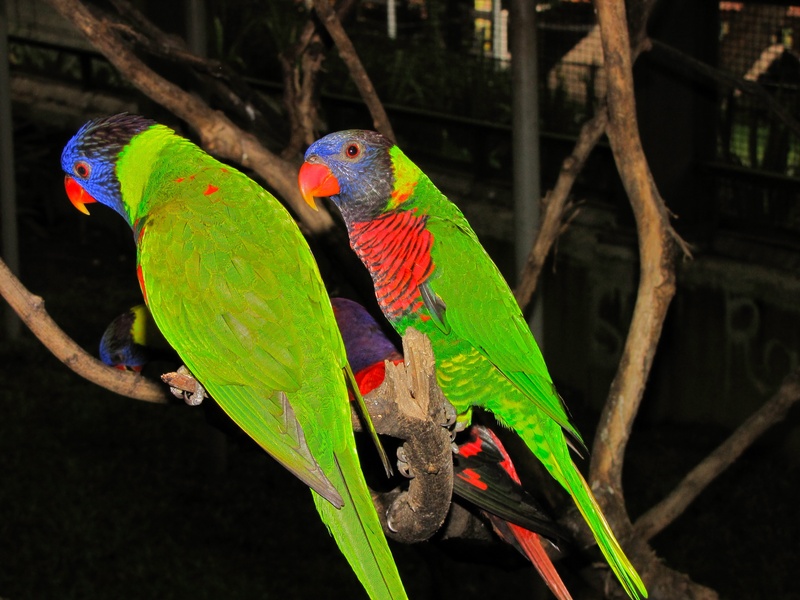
x=545 y=438
x=593 y=515
x=358 y=532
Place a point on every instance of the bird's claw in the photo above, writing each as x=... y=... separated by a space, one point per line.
x=450 y=414
x=402 y=463
x=453 y=424
x=183 y=385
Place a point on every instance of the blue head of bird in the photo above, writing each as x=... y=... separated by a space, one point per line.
x=89 y=160
x=352 y=167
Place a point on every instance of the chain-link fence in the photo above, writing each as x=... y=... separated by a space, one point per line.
x=757 y=44
x=757 y=147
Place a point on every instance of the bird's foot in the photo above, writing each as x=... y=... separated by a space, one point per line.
x=183 y=385
x=450 y=415
x=402 y=463
x=454 y=424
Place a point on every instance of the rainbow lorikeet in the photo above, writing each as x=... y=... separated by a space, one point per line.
x=431 y=272
x=484 y=468
x=484 y=473
x=234 y=289
x=132 y=340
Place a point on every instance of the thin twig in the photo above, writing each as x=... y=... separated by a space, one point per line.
x=31 y=310
x=224 y=84
x=772 y=412
x=554 y=203
x=348 y=54
x=675 y=59
x=300 y=66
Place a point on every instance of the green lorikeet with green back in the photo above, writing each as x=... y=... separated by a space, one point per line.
x=233 y=287
x=431 y=272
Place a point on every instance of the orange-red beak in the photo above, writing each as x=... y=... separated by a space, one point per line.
x=77 y=195
x=316 y=180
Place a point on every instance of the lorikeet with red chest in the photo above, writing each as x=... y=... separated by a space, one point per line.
x=431 y=272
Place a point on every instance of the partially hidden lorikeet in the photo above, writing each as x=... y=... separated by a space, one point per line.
x=233 y=287
x=132 y=340
x=484 y=473
x=431 y=272
x=486 y=476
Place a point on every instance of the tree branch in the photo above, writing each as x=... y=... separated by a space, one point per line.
x=410 y=406
x=658 y=243
x=656 y=250
x=772 y=412
x=554 y=203
x=31 y=310
x=348 y=54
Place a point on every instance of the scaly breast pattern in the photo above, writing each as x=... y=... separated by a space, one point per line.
x=396 y=249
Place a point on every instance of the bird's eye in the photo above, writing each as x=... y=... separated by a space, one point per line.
x=82 y=169
x=352 y=150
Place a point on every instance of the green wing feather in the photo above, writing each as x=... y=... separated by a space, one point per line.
x=231 y=283
x=508 y=345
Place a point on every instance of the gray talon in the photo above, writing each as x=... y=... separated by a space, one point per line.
x=402 y=463
x=450 y=415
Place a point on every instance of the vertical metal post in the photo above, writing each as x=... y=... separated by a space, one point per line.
x=391 y=19
x=525 y=137
x=196 y=33
x=497 y=30
x=8 y=192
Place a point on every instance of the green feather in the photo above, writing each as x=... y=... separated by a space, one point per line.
x=233 y=286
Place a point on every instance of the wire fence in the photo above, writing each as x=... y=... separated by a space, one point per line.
x=757 y=44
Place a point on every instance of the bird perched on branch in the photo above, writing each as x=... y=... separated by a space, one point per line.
x=431 y=272
x=233 y=287
x=484 y=473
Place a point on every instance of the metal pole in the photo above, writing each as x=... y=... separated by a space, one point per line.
x=196 y=33
x=525 y=137
x=391 y=19
x=8 y=192
x=497 y=30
